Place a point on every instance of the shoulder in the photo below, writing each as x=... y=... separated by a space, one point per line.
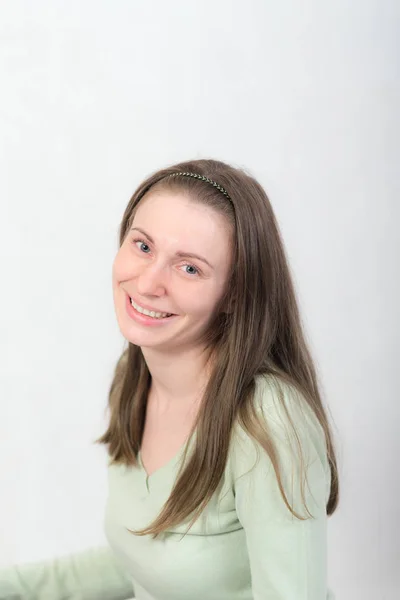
x=282 y=406
x=281 y=401
x=287 y=409
x=288 y=422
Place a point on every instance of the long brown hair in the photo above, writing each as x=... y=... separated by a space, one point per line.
x=256 y=331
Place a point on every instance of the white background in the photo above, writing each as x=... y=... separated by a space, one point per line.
x=94 y=96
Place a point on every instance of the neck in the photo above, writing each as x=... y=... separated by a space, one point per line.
x=177 y=380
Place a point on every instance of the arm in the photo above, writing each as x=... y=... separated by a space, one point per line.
x=287 y=556
x=93 y=574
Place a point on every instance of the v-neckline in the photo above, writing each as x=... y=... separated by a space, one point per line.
x=169 y=463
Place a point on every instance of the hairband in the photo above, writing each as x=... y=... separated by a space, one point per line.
x=196 y=176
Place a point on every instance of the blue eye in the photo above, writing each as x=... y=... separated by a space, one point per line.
x=142 y=246
x=194 y=270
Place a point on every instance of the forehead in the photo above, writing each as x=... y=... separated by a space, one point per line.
x=167 y=213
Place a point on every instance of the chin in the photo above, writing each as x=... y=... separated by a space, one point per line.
x=144 y=339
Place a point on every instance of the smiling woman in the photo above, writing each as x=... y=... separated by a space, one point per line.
x=174 y=260
x=222 y=469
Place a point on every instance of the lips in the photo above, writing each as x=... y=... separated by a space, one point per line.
x=149 y=308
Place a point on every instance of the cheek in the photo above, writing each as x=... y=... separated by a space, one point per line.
x=116 y=271
x=203 y=303
x=121 y=267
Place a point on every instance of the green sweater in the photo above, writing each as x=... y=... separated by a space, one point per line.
x=245 y=546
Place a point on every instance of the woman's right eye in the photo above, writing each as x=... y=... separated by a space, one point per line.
x=142 y=246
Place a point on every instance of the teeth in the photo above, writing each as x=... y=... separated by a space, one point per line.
x=149 y=313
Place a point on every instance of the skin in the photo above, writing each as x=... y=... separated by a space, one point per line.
x=156 y=277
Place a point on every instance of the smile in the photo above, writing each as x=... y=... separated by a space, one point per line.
x=149 y=313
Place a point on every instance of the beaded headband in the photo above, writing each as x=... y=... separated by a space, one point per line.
x=203 y=178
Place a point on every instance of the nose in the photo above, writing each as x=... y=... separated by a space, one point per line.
x=151 y=280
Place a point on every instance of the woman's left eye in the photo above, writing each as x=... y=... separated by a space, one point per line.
x=194 y=270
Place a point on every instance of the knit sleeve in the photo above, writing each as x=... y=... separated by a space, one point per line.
x=288 y=556
x=93 y=574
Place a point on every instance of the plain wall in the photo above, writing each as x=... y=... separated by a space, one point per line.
x=94 y=96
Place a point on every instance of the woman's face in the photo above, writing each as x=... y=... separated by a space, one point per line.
x=175 y=260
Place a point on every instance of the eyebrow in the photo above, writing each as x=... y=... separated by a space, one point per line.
x=181 y=254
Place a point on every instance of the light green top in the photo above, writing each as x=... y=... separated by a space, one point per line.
x=245 y=546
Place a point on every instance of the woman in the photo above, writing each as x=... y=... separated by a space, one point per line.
x=222 y=468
